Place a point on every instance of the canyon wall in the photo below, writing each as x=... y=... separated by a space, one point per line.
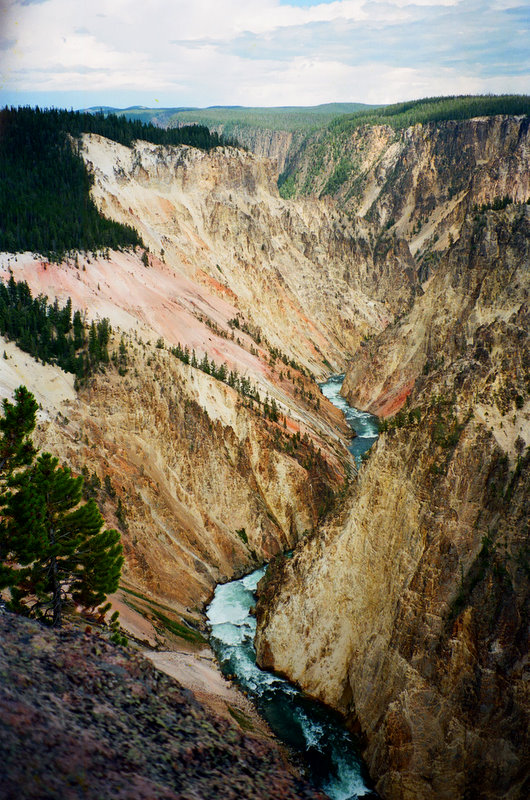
x=210 y=483
x=263 y=142
x=296 y=270
x=409 y=611
x=416 y=186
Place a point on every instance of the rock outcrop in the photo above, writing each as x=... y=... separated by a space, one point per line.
x=275 y=145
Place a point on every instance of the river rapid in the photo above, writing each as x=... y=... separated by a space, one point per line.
x=308 y=727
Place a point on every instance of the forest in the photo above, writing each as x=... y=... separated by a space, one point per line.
x=45 y=203
x=50 y=333
x=435 y=109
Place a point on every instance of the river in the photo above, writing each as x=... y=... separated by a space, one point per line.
x=308 y=727
x=363 y=423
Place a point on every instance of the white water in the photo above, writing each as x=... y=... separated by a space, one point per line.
x=363 y=423
x=307 y=726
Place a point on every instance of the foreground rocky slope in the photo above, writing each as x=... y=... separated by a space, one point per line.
x=81 y=718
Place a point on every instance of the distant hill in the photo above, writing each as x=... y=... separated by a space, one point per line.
x=155 y=116
x=285 y=118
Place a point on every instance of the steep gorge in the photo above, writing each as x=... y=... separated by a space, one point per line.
x=242 y=278
x=409 y=611
x=406 y=610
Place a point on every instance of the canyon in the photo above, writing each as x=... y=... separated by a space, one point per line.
x=409 y=612
x=405 y=605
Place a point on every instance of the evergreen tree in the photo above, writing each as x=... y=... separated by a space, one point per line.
x=51 y=544
x=16 y=447
x=16 y=450
x=58 y=542
x=79 y=331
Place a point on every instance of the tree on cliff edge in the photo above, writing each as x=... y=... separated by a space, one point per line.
x=16 y=450
x=51 y=545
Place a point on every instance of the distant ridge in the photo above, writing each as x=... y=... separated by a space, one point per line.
x=287 y=118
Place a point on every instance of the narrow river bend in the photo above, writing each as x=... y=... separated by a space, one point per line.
x=316 y=732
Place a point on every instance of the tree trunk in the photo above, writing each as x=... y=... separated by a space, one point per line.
x=57 y=598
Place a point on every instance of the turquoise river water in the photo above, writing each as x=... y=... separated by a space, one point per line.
x=328 y=750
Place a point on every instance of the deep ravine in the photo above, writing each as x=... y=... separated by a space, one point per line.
x=306 y=726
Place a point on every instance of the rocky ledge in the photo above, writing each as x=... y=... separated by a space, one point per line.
x=82 y=718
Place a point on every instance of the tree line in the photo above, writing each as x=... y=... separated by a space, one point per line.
x=52 y=333
x=45 y=203
x=241 y=383
x=435 y=109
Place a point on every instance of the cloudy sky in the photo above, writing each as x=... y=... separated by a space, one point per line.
x=78 y=53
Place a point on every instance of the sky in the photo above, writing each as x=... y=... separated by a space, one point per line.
x=173 y=53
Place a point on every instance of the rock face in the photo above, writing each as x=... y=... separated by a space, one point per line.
x=409 y=614
x=416 y=187
x=481 y=284
x=82 y=718
x=409 y=611
x=264 y=143
x=294 y=269
x=190 y=459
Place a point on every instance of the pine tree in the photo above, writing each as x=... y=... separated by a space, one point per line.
x=16 y=450
x=16 y=447
x=58 y=542
x=51 y=544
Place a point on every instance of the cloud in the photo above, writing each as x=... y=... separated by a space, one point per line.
x=262 y=52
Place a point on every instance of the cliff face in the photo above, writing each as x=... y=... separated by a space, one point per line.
x=481 y=284
x=409 y=611
x=295 y=269
x=416 y=186
x=263 y=142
